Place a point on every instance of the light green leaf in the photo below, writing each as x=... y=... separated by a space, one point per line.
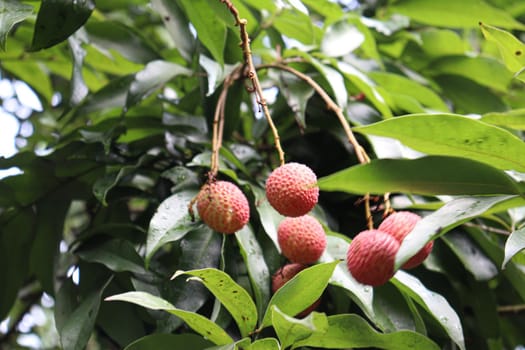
x=33 y=74
x=432 y=175
x=211 y=29
x=340 y=39
x=471 y=138
x=351 y=331
x=253 y=256
x=452 y=214
x=472 y=257
x=234 y=297
x=329 y=10
x=512 y=50
x=442 y=42
x=152 y=77
x=336 y=249
x=162 y=341
x=296 y=25
x=514 y=119
x=301 y=291
x=515 y=243
x=264 y=344
x=270 y=218
x=434 y=303
x=455 y=14
x=11 y=12
x=170 y=222
x=198 y=323
x=291 y=330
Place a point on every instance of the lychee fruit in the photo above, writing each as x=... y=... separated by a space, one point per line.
x=223 y=206
x=302 y=239
x=292 y=189
x=286 y=273
x=399 y=225
x=371 y=257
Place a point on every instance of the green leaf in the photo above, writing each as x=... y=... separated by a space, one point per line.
x=117 y=255
x=258 y=271
x=434 y=303
x=33 y=74
x=161 y=341
x=512 y=50
x=58 y=19
x=432 y=175
x=455 y=14
x=77 y=326
x=340 y=39
x=234 y=297
x=151 y=78
x=211 y=30
x=471 y=256
x=471 y=138
x=170 y=222
x=442 y=42
x=270 y=218
x=296 y=25
x=264 y=344
x=291 y=330
x=514 y=119
x=514 y=244
x=452 y=214
x=198 y=323
x=351 y=331
x=336 y=249
x=11 y=12
x=301 y=291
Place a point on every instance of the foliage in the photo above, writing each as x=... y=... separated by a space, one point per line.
x=130 y=89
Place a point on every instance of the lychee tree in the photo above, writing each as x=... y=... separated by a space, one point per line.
x=175 y=143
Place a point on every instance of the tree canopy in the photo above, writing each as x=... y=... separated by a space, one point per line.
x=396 y=105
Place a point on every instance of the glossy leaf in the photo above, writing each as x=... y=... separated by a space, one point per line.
x=434 y=303
x=291 y=330
x=471 y=138
x=57 y=20
x=301 y=291
x=198 y=323
x=170 y=222
x=452 y=214
x=512 y=50
x=431 y=175
x=270 y=218
x=234 y=297
x=351 y=331
x=253 y=256
x=161 y=341
x=11 y=12
x=514 y=244
x=455 y=14
x=211 y=30
x=340 y=39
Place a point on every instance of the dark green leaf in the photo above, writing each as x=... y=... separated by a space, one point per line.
x=234 y=297
x=301 y=291
x=11 y=12
x=471 y=138
x=351 y=331
x=515 y=243
x=198 y=323
x=117 y=255
x=434 y=303
x=169 y=342
x=456 y=14
x=58 y=19
x=170 y=223
x=431 y=175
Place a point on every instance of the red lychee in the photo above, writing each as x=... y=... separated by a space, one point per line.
x=223 y=206
x=302 y=239
x=286 y=273
x=371 y=257
x=399 y=225
x=292 y=189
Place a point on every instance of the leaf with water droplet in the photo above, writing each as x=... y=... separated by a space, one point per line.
x=170 y=223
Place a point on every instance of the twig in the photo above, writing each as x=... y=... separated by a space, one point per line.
x=511 y=308
x=488 y=228
x=252 y=75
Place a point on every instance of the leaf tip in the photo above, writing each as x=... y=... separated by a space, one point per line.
x=177 y=274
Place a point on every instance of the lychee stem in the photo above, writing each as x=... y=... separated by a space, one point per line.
x=252 y=75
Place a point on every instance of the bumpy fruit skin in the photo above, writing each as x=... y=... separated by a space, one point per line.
x=302 y=239
x=371 y=257
x=292 y=189
x=286 y=273
x=223 y=206
x=399 y=225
